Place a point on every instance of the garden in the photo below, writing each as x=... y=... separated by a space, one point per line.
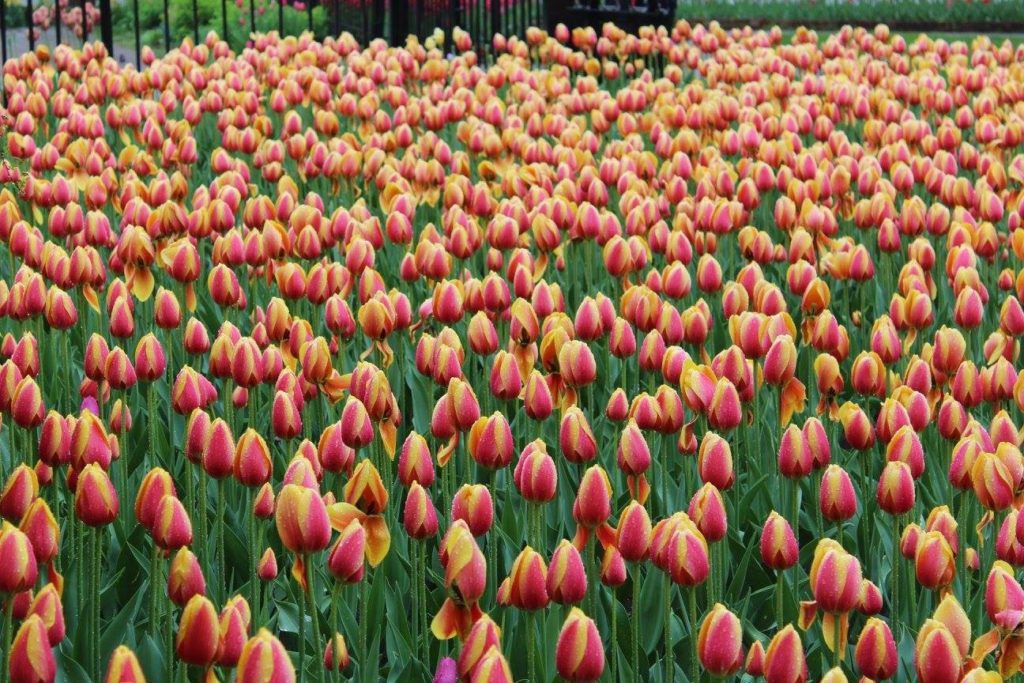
x=684 y=354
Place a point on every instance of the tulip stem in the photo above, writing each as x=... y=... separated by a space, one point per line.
x=151 y=419
x=531 y=644
x=592 y=578
x=313 y=613
x=333 y=626
x=896 y=570
x=837 y=646
x=8 y=633
x=692 y=598
x=221 y=530
x=423 y=602
x=97 y=565
x=254 y=585
x=154 y=571
x=666 y=614
x=364 y=627
x=779 y=583
x=634 y=616
x=302 y=629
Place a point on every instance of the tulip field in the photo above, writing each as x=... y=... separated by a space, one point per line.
x=685 y=355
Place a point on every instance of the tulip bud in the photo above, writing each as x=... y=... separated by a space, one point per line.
x=525 y=587
x=707 y=510
x=19 y=570
x=198 y=632
x=172 y=528
x=150 y=361
x=346 y=560
x=21 y=489
x=576 y=438
x=124 y=667
x=633 y=534
x=264 y=659
x=780 y=361
x=472 y=503
x=301 y=519
x=336 y=657
x=784 y=659
x=779 y=548
x=895 y=493
x=483 y=637
x=592 y=506
x=267 y=567
x=837 y=497
x=30 y=659
x=835 y=578
x=234 y=630
x=952 y=615
x=566 y=578
x=725 y=411
x=185 y=578
x=253 y=465
x=936 y=656
x=1004 y=597
x=579 y=654
x=535 y=475
x=720 y=642
x=934 y=562
x=993 y=484
x=419 y=517
x=96 y=502
x=795 y=457
x=875 y=654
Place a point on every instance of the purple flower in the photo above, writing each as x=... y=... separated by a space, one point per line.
x=447 y=672
x=89 y=403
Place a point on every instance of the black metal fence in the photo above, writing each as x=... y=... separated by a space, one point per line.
x=126 y=26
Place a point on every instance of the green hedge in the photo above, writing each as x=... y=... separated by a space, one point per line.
x=837 y=12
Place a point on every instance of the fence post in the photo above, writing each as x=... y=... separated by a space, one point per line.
x=167 y=26
x=106 y=26
x=3 y=31
x=495 y=21
x=399 y=27
x=138 y=36
x=224 y=20
x=29 y=22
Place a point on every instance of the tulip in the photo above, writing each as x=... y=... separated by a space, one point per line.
x=875 y=654
x=234 y=631
x=31 y=659
x=482 y=638
x=579 y=654
x=198 y=632
x=936 y=655
x=837 y=497
x=124 y=667
x=264 y=658
x=566 y=578
x=934 y=561
x=336 y=657
x=185 y=578
x=302 y=525
x=171 y=528
x=267 y=567
x=784 y=659
x=720 y=642
x=779 y=548
x=18 y=493
x=525 y=587
x=96 y=502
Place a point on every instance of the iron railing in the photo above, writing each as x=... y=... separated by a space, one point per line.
x=125 y=26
